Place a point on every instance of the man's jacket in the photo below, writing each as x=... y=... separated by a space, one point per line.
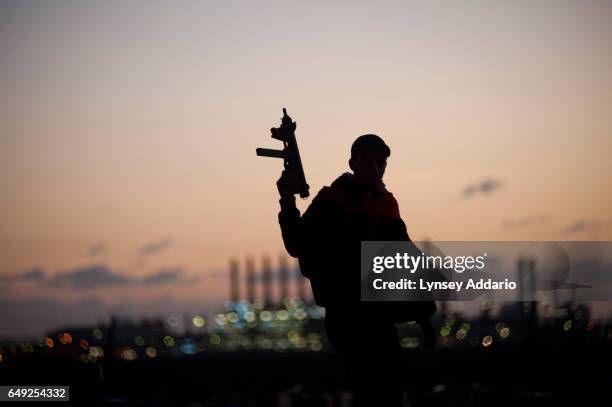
x=327 y=241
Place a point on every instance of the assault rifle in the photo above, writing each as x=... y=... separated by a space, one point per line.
x=290 y=153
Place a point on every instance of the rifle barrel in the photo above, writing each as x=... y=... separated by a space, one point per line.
x=268 y=152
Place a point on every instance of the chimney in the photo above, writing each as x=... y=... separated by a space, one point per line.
x=234 y=285
x=250 y=279
x=267 y=282
x=283 y=278
x=526 y=272
x=301 y=283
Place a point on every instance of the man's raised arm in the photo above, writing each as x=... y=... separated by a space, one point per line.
x=300 y=233
x=290 y=223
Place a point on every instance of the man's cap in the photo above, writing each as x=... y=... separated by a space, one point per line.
x=367 y=143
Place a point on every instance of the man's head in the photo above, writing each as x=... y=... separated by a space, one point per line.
x=368 y=161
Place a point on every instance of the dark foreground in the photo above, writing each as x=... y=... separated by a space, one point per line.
x=525 y=376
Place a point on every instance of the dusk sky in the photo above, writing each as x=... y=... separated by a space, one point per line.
x=128 y=132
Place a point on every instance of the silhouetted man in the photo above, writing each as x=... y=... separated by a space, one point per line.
x=327 y=241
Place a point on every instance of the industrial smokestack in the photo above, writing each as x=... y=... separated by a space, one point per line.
x=267 y=282
x=234 y=282
x=283 y=278
x=526 y=272
x=250 y=279
x=300 y=281
x=526 y=278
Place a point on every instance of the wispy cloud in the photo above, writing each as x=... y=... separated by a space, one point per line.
x=526 y=221
x=34 y=274
x=155 y=247
x=99 y=275
x=484 y=187
x=583 y=226
x=166 y=276
x=97 y=249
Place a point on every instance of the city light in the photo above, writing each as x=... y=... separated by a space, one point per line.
x=198 y=321
x=49 y=342
x=65 y=338
x=487 y=341
x=97 y=333
x=168 y=341
x=151 y=352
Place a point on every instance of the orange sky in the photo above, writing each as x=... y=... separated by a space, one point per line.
x=125 y=124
